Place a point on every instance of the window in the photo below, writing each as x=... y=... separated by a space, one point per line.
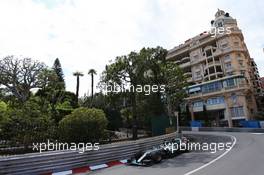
x=228 y=66
x=198 y=74
x=241 y=63
x=216 y=100
x=211 y=70
x=208 y=53
x=195 y=57
x=242 y=72
x=236 y=43
x=198 y=104
x=224 y=45
x=195 y=90
x=216 y=59
x=237 y=111
x=210 y=60
x=206 y=72
x=211 y=87
x=213 y=77
x=227 y=58
x=218 y=69
x=230 y=82
x=234 y=98
x=229 y=73
x=219 y=24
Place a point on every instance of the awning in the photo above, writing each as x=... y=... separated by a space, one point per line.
x=195 y=89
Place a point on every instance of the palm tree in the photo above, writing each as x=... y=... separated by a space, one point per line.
x=92 y=72
x=78 y=75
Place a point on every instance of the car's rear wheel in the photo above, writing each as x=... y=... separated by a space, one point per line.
x=156 y=158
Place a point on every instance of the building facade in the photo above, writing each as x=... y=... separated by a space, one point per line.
x=223 y=78
x=262 y=83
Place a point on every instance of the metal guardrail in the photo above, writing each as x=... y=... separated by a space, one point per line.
x=57 y=161
x=223 y=129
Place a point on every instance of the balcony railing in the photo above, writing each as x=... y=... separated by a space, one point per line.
x=186 y=58
x=213 y=91
x=185 y=65
x=188 y=74
x=189 y=79
x=215 y=63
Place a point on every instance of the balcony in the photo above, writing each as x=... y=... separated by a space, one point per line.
x=215 y=106
x=183 y=65
x=178 y=62
x=198 y=78
x=189 y=79
x=212 y=63
x=185 y=59
x=188 y=74
x=229 y=69
x=198 y=109
x=240 y=86
x=217 y=52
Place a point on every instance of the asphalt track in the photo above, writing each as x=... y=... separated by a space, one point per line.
x=245 y=158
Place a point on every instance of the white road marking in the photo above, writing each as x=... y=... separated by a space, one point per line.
x=258 y=133
x=63 y=173
x=96 y=167
x=219 y=157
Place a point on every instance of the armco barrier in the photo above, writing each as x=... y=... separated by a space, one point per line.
x=57 y=161
x=223 y=129
x=67 y=161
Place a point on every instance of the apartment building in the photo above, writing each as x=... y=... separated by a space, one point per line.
x=262 y=83
x=223 y=78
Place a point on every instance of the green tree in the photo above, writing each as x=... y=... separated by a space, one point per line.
x=92 y=72
x=3 y=109
x=59 y=99
x=59 y=72
x=126 y=117
x=154 y=60
x=78 y=75
x=126 y=70
x=147 y=67
x=3 y=106
x=83 y=125
x=175 y=86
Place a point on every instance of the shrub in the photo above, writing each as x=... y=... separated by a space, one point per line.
x=83 y=125
x=26 y=124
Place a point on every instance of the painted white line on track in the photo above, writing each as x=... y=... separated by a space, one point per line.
x=219 y=157
x=63 y=173
x=258 y=133
x=96 y=167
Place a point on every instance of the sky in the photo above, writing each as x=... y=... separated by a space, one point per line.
x=87 y=34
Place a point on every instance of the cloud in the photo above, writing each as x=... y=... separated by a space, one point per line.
x=85 y=34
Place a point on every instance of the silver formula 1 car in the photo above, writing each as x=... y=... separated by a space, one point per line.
x=165 y=150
